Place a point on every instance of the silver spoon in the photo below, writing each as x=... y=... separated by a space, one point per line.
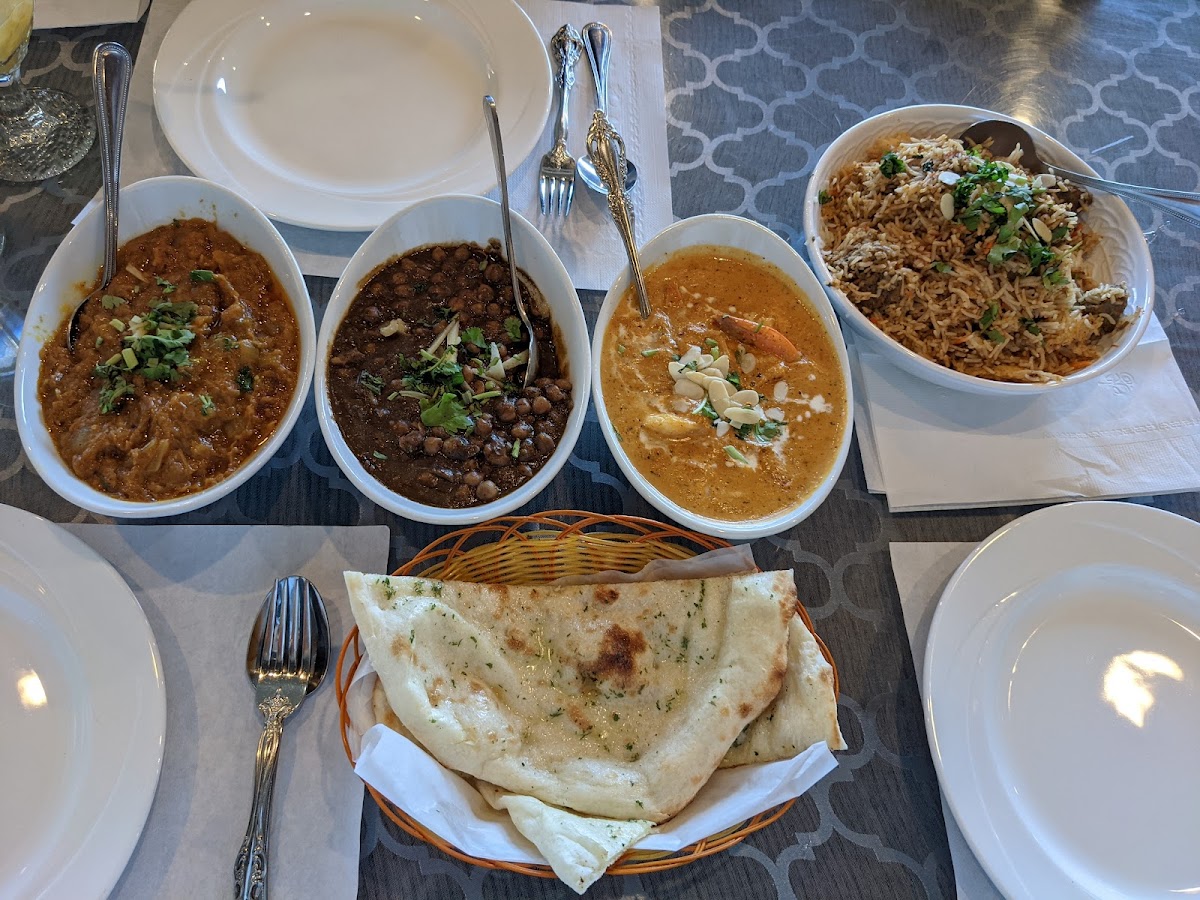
x=605 y=144
x=598 y=40
x=1006 y=136
x=112 y=90
x=493 y=121
x=286 y=659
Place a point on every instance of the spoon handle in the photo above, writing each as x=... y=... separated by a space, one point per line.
x=598 y=40
x=111 y=66
x=607 y=149
x=1161 y=198
x=250 y=871
x=493 y=123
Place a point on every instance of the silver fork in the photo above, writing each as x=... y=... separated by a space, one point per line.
x=556 y=183
x=286 y=659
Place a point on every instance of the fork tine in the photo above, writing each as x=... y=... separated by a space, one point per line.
x=278 y=621
x=570 y=195
x=543 y=203
x=292 y=659
x=307 y=626
x=558 y=195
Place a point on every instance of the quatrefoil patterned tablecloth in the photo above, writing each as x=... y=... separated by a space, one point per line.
x=754 y=91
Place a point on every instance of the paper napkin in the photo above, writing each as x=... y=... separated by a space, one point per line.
x=77 y=13
x=922 y=571
x=587 y=240
x=201 y=587
x=1134 y=431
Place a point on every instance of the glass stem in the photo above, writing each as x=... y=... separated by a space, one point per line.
x=14 y=99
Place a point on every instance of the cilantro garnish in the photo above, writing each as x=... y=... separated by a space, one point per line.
x=446 y=412
x=372 y=383
x=202 y=275
x=111 y=301
x=513 y=326
x=473 y=335
x=823 y=197
x=892 y=165
x=245 y=380
x=207 y=407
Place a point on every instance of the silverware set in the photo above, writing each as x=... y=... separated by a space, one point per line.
x=556 y=180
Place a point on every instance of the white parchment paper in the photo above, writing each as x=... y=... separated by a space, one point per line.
x=449 y=805
x=922 y=571
x=201 y=587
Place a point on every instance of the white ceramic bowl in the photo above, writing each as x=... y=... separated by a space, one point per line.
x=743 y=234
x=1120 y=256
x=144 y=206
x=453 y=219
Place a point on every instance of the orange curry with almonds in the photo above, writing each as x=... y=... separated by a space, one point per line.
x=730 y=398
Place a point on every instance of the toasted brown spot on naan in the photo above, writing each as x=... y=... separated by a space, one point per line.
x=616 y=661
x=606 y=595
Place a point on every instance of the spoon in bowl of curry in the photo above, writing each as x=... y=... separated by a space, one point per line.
x=111 y=66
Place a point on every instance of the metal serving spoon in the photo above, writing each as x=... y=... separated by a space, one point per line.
x=598 y=40
x=493 y=121
x=607 y=148
x=1005 y=136
x=286 y=660
x=112 y=90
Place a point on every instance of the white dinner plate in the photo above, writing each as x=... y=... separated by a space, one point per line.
x=334 y=114
x=1062 y=700
x=82 y=715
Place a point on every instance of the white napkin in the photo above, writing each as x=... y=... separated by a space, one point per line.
x=587 y=240
x=1134 y=431
x=201 y=587
x=922 y=571
x=77 y=13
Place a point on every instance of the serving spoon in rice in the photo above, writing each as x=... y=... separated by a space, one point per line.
x=1005 y=137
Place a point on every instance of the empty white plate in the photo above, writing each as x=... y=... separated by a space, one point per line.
x=1062 y=686
x=82 y=715
x=333 y=114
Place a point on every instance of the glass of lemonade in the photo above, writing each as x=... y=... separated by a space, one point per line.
x=42 y=132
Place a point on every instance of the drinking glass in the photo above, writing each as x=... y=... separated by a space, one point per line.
x=42 y=132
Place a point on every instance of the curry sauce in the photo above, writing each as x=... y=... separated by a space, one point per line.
x=181 y=371
x=700 y=397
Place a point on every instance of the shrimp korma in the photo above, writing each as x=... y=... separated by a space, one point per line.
x=730 y=398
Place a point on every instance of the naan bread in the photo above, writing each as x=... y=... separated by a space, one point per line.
x=804 y=711
x=611 y=700
x=579 y=848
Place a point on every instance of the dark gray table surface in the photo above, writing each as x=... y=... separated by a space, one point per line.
x=754 y=92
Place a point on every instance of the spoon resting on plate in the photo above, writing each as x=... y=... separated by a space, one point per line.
x=1007 y=136
x=112 y=90
x=598 y=42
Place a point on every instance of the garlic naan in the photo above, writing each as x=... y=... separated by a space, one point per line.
x=611 y=700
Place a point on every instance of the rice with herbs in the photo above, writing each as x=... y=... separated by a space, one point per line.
x=970 y=261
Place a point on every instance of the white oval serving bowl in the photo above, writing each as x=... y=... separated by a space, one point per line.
x=456 y=219
x=725 y=231
x=144 y=206
x=1121 y=255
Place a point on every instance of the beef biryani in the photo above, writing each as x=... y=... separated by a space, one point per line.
x=970 y=260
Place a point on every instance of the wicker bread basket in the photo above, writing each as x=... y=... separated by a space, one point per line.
x=533 y=550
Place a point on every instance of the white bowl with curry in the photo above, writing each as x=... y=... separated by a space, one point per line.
x=730 y=408
x=187 y=374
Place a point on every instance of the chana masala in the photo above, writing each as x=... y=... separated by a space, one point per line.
x=181 y=371
x=426 y=375
x=729 y=399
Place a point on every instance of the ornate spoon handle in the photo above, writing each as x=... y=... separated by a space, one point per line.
x=607 y=150
x=250 y=871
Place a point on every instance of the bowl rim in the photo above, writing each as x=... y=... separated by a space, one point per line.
x=911 y=361
x=811 y=288
x=571 y=327
x=28 y=412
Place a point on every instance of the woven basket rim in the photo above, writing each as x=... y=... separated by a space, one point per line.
x=556 y=526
